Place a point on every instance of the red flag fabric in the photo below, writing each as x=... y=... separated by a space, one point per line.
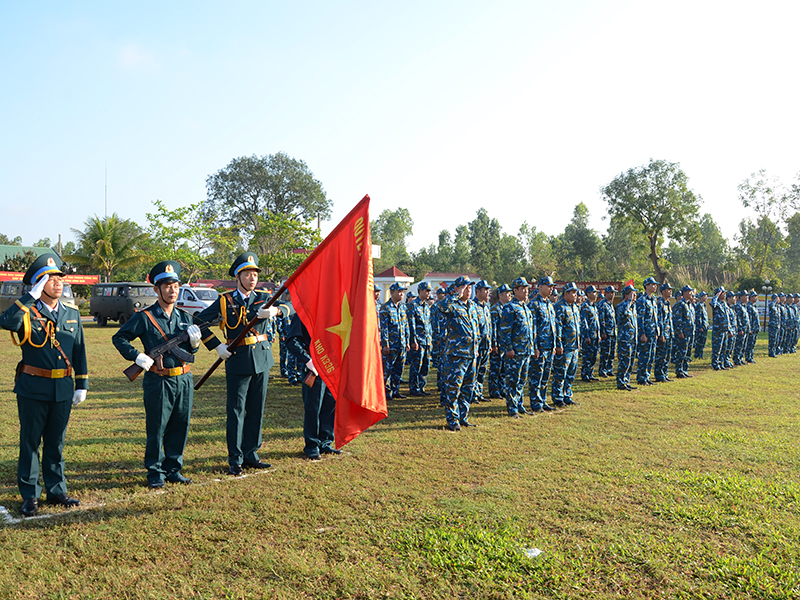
x=629 y=282
x=332 y=292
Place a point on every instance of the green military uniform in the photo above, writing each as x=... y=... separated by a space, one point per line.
x=53 y=367
x=168 y=391
x=247 y=370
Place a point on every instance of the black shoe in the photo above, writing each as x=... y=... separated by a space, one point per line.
x=558 y=404
x=537 y=408
x=688 y=375
x=586 y=379
x=235 y=470
x=398 y=395
x=156 y=484
x=256 y=465
x=630 y=387
x=467 y=424
x=660 y=380
x=314 y=457
x=625 y=388
x=593 y=378
x=178 y=478
x=515 y=416
x=329 y=450
x=454 y=427
x=570 y=403
x=424 y=393
x=681 y=376
x=649 y=383
x=547 y=407
x=30 y=507
x=63 y=500
x=668 y=380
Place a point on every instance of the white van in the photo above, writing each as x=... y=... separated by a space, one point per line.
x=193 y=299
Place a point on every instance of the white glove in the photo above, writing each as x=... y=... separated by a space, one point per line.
x=194 y=335
x=223 y=351
x=310 y=367
x=144 y=361
x=265 y=313
x=78 y=397
x=36 y=290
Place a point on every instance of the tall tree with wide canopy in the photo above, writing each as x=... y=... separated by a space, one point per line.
x=109 y=244
x=657 y=197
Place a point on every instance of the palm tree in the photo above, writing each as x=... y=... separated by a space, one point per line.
x=109 y=243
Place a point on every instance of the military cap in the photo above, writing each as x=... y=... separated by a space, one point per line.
x=650 y=280
x=742 y=293
x=376 y=288
x=165 y=272
x=774 y=296
x=463 y=280
x=610 y=288
x=423 y=286
x=589 y=289
x=243 y=262
x=503 y=288
x=482 y=284
x=569 y=287
x=546 y=280
x=410 y=295
x=441 y=290
x=580 y=292
x=46 y=264
x=520 y=282
x=702 y=295
x=665 y=286
x=627 y=289
x=450 y=288
x=718 y=290
x=687 y=288
x=782 y=294
x=396 y=286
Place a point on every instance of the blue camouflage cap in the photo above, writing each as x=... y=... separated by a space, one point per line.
x=687 y=288
x=441 y=290
x=650 y=280
x=702 y=295
x=774 y=296
x=665 y=286
x=742 y=293
x=520 y=282
x=718 y=290
x=610 y=288
x=375 y=288
x=424 y=285
x=397 y=286
x=590 y=289
x=753 y=293
x=569 y=287
x=628 y=289
x=482 y=284
x=463 y=280
x=546 y=280
x=504 y=288
x=782 y=294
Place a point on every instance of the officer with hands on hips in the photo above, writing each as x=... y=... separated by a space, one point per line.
x=52 y=378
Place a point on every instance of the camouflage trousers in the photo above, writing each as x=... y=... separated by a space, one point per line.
x=626 y=349
x=459 y=382
x=515 y=374
x=700 y=339
x=739 y=343
x=565 y=365
x=681 y=355
x=538 y=377
x=480 y=369
x=646 y=354
x=718 y=349
x=728 y=352
x=282 y=352
x=774 y=341
x=393 y=364
x=588 y=360
x=294 y=371
x=750 y=346
x=663 y=356
x=496 y=375
x=419 y=362
x=605 y=367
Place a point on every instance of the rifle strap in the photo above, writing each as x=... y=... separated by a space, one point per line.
x=161 y=331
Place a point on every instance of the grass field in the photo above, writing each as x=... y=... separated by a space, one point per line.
x=688 y=489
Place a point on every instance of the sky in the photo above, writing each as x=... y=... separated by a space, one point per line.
x=522 y=108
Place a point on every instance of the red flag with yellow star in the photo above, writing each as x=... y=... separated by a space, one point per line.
x=332 y=292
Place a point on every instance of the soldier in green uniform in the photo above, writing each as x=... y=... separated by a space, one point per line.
x=246 y=366
x=167 y=385
x=52 y=378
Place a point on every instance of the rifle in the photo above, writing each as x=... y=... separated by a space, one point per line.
x=170 y=346
x=242 y=334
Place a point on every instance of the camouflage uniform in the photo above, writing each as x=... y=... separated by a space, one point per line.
x=280 y=326
x=719 y=332
x=419 y=326
x=484 y=316
x=394 y=335
x=700 y=328
x=774 y=313
x=755 y=327
x=742 y=331
x=683 y=320
x=608 y=328
x=663 y=347
x=438 y=324
x=544 y=317
x=517 y=332
x=733 y=328
x=495 y=358
x=647 y=324
x=628 y=338
x=784 y=324
x=565 y=365
x=590 y=333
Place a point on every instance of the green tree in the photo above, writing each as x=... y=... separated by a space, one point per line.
x=19 y=262
x=512 y=261
x=485 y=234
x=7 y=241
x=625 y=250
x=791 y=257
x=280 y=242
x=581 y=246
x=538 y=248
x=109 y=244
x=704 y=258
x=254 y=187
x=461 y=250
x=761 y=246
x=390 y=231
x=657 y=197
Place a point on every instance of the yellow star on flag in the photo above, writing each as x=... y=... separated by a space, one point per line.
x=343 y=328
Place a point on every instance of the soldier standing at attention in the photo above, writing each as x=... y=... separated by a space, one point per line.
x=517 y=331
x=733 y=329
x=590 y=332
x=608 y=332
x=700 y=324
x=628 y=335
x=683 y=324
x=647 y=325
x=755 y=326
x=568 y=345
x=664 y=343
x=496 y=358
x=774 y=315
x=719 y=329
x=785 y=324
x=168 y=385
x=484 y=316
x=460 y=352
x=419 y=328
x=51 y=379
x=246 y=366
x=394 y=339
x=742 y=328
x=436 y=319
x=544 y=320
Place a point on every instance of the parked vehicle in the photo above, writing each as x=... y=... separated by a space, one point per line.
x=10 y=291
x=118 y=301
x=193 y=299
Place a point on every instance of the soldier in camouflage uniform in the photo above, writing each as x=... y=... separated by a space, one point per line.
x=664 y=343
x=517 y=332
x=700 y=324
x=568 y=345
x=394 y=339
x=774 y=325
x=755 y=327
x=437 y=333
x=733 y=325
x=628 y=334
x=795 y=312
x=649 y=331
x=742 y=328
x=683 y=320
x=460 y=352
x=496 y=358
x=544 y=318
x=419 y=327
x=608 y=332
x=590 y=332
x=720 y=329
x=483 y=312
